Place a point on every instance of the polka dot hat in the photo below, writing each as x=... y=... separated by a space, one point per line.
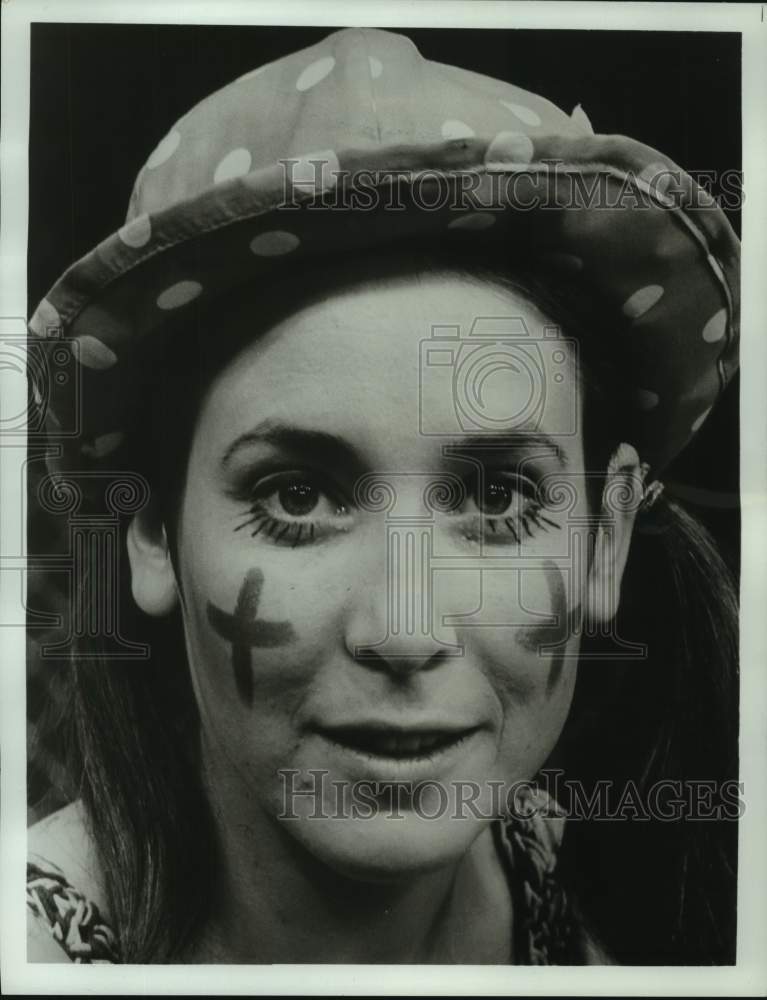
x=358 y=142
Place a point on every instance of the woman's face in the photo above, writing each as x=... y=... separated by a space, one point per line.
x=378 y=589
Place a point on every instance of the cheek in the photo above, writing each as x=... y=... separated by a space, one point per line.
x=258 y=626
x=521 y=619
x=553 y=637
x=529 y=656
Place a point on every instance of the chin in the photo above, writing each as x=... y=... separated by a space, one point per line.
x=386 y=848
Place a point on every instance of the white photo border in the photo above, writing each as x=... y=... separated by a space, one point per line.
x=749 y=975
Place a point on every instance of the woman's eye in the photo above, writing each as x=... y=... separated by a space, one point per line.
x=504 y=508
x=299 y=497
x=294 y=508
x=500 y=494
x=495 y=498
x=296 y=495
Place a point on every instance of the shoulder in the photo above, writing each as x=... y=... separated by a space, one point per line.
x=63 y=840
x=66 y=903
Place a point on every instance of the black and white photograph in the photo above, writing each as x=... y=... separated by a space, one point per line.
x=383 y=467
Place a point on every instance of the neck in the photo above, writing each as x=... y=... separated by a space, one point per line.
x=275 y=903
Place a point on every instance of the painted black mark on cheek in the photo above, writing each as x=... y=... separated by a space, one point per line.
x=552 y=635
x=245 y=630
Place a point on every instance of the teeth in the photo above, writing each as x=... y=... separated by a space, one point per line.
x=392 y=744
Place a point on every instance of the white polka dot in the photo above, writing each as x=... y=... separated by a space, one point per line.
x=234 y=164
x=252 y=74
x=581 y=119
x=642 y=301
x=646 y=399
x=314 y=171
x=315 y=72
x=164 y=150
x=699 y=422
x=562 y=261
x=716 y=327
x=274 y=243
x=136 y=233
x=510 y=147
x=103 y=445
x=179 y=294
x=92 y=353
x=376 y=67
x=716 y=267
x=454 y=129
x=45 y=320
x=526 y=115
x=473 y=221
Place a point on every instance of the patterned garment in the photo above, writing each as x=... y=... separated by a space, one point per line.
x=544 y=930
x=73 y=921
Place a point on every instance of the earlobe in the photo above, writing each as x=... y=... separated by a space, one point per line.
x=621 y=498
x=153 y=580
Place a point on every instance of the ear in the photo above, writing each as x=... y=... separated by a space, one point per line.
x=621 y=497
x=153 y=580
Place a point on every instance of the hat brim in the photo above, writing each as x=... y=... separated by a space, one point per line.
x=662 y=265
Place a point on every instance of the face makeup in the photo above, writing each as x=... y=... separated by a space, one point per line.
x=313 y=643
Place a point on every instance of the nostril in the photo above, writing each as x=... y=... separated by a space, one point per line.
x=368 y=653
x=401 y=664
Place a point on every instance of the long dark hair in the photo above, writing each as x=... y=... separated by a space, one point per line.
x=651 y=892
x=661 y=890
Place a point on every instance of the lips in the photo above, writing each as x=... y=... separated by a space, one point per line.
x=399 y=744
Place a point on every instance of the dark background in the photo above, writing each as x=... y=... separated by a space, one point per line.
x=102 y=96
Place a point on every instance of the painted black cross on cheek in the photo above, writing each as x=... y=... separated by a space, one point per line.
x=551 y=635
x=244 y=630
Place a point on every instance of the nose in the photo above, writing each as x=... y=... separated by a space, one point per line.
x=392 y=621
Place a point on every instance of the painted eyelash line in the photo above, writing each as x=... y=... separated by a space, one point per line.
x=539 y=519
x=270 y=526
x=305 y=532
x=533 y=515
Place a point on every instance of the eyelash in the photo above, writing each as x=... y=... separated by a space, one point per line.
x=524 y=523
x=516 y=527
x=282 y=531
x=528 y=523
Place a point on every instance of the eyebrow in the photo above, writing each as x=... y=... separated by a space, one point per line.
x=537 y=443
x=335 y=451
x=329 y=449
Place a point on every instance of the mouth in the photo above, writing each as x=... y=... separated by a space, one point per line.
x=395 y=743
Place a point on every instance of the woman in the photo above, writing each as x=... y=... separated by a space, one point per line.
x=401 y=393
